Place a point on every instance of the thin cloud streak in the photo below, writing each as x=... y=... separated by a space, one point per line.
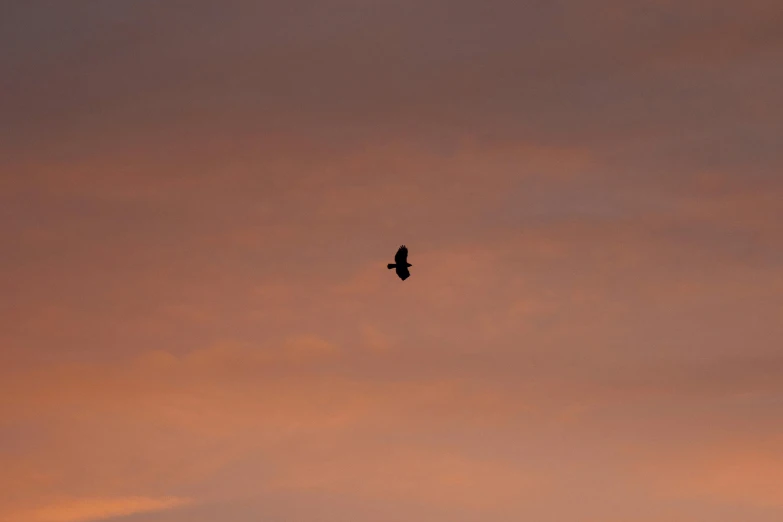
x=93 y=509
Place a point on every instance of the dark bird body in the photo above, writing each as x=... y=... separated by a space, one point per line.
x=401 y=263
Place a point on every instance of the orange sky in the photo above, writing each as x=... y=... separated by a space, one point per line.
x=198 y=201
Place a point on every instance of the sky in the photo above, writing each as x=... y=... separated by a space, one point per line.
x=198 y=201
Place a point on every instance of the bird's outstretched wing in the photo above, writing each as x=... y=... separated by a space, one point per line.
x=402 y=272
x=401 y=257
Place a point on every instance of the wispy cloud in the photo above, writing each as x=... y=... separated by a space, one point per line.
x=94 y=509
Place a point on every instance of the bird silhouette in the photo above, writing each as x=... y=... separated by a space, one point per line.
x=401 y=263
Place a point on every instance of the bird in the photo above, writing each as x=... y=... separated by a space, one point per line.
x=401 y=263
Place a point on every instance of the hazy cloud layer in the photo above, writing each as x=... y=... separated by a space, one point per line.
x=198 y=201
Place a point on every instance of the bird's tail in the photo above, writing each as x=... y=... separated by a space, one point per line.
x=391 y=265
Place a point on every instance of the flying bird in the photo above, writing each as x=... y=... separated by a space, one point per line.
x=401 y=263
